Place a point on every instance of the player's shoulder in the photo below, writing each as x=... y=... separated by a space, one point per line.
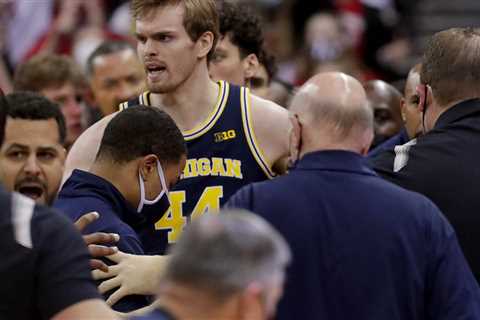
x=267 y=114
x=261 y=105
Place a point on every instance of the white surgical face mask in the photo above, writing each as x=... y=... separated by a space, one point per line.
x=163 y=193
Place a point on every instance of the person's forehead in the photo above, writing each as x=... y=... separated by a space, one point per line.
x=380 y=100
x=116 y=64
x=161 y=19
x=107 y=60
x=32 y=133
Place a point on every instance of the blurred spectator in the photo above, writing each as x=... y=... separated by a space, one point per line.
x=60 y=80
x=280 y=92
x=115 y=74
x=384 y=100
x=262 y=78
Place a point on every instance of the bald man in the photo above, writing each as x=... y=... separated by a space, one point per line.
x=362 y=247
x=384 y=100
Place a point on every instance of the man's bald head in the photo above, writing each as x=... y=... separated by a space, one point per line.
x=333 y=111
x=384 y=100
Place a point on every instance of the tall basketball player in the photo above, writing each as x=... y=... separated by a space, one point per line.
x=233 y=138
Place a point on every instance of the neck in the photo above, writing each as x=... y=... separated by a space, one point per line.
x=122 y=182
x=186 y=303
x=324 y=142
x=192 y=102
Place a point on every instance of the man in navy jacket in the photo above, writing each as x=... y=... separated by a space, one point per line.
x=141 y=155
x=362 y=247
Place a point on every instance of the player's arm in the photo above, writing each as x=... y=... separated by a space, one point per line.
x=271 y=126
x=132 y=274
x=83 y=152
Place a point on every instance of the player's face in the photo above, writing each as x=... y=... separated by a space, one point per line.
x=166 y=51
x=116 y=78
x=410 y=111
x=73 y=109
x=227 y=64
x=32 y=159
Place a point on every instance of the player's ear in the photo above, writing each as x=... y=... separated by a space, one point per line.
x=250 y=65
x=295 y=138
x=205 y=44
x=422 y=94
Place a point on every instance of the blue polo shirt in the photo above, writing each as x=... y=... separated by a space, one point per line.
x=362 y=247
x=85 y=192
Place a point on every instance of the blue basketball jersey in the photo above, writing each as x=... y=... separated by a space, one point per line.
x=223 y=156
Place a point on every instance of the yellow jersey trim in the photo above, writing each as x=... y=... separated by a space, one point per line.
x=204 y=127
x=257 y=153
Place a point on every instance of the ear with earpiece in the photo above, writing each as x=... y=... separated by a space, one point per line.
x=422 y=94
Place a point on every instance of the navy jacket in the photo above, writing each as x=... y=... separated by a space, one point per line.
x=444 y=165
x=363 y=248
x=84 y=192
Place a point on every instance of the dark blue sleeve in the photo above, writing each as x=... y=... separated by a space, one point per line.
x=452 y=291
x=242 y=199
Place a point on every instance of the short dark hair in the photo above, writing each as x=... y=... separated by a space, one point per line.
x=106 y=48
x=451 y=65
x=3 y=115
x=33 y=106
x=243 y=26
x=47 y=71
x=140 y=131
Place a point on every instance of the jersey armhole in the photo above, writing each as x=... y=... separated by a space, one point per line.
x=245 y=102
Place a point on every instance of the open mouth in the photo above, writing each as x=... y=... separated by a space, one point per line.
x=33 y=192
x=155 y=70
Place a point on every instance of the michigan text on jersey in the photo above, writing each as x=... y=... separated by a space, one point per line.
x=223 y=167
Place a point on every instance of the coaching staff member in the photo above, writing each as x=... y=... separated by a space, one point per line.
x=44 y=262
x=362 y=247
x=444 y=164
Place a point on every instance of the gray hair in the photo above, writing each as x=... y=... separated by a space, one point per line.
x=222 y=254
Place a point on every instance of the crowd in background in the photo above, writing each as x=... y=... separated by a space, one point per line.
x=368 y=39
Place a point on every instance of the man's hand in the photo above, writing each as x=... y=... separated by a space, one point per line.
x=92 y=240
x=132 y=274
